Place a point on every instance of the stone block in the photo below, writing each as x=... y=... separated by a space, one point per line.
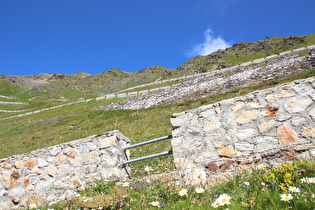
x=212 y=125
x=286 y=135
x=41 y=163
x=297 y=104
x=91 y=157
x=212 y=166
x=265 y=143
x=107 y=142
x=6 y=165
x=51 y=170
x=72 y=153
x=285 y=93
x=238 y=107
x=30 y=163
x=60 y=159
x=266 y=126
x=224 y=151
x=247 y=117
x=246 y=134
x=18 y=164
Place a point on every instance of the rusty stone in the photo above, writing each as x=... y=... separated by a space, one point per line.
x=6 y=180
x=287 y=135
x=6 y=165
x=12 y=182
x=74 y=182
x=212 y=166
x=291 y=155
x=72 y=153
x=272 y=111
x=224 y=151
x=309 y=132
x=30 y=164
x=25 y=181
x=36 y=199
x=16 y=200
x=243 y=167
x=226 y=165
x=15 y=174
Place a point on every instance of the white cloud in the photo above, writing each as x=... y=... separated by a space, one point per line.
x=209 y=45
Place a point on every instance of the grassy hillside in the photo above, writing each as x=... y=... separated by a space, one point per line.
x=244 y=52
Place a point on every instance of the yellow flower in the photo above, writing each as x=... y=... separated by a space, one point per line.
x=245 y=204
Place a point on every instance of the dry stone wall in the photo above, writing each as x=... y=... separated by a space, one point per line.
x=217 y=82
x=53 y=173
x=267 y=126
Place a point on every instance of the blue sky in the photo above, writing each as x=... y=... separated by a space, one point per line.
x=94 y=36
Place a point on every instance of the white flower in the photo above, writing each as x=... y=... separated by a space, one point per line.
x=148 y=169
x=246 y=183
x=261 y=166
x=183 y=192
x=294 y=189
x=224 y=199
x=215 y=204
x=286 y=197
x=199 y=190
x=155 y=203
x=199 y=171
x=303 y=180
x=191 y=166
x=311 y=180
x=32 y=205
x=85 y=199
x=125 y=184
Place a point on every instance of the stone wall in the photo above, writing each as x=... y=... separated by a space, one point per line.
x=283 y=66
x=50 y=174
x=267 y=126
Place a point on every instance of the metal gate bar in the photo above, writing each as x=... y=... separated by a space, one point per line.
x=149 y=156
x=148 y=142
